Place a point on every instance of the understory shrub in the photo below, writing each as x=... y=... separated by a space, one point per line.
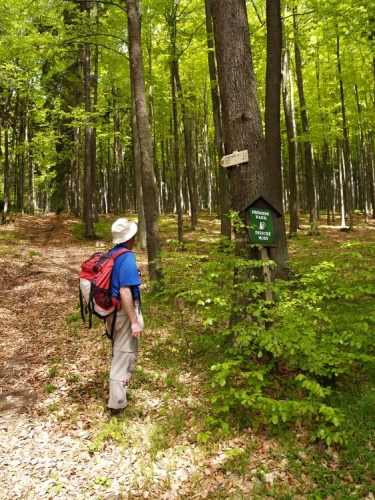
x=281 y=360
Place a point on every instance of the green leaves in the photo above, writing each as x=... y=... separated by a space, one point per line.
x=278 y=365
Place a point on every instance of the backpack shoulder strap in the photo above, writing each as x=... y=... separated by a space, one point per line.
x=119 y=252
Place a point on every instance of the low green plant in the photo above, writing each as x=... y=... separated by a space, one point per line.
x=7 y=237
x=53 y=408
x=53 y=372
x=73 y=317
x=49 y=388
x=281 y=360
x=6 y=251
x=165 y=431
x=109 y=432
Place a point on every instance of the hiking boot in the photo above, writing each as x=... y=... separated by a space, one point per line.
x=116 y=412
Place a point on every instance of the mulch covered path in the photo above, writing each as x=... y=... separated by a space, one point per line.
x=40 y=455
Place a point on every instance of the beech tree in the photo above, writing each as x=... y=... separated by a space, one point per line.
x=143 y=126
x=279 y=253
x=43 y=118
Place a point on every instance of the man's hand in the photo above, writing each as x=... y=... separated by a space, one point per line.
x=127 y=301
x=136 y=329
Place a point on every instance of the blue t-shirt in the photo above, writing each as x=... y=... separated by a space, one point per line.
x=125 y=273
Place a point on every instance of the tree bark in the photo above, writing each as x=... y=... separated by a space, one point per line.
x=149 y=188
x=88 y=171
x=290 y=126
x=238 y=94
x=88 y=193
x=249 y=181
x=171 y=17
x=176 y=157
x=224 y=192
x=279 y=253
x=142 y=239
x=307 y=149
x=348 y=186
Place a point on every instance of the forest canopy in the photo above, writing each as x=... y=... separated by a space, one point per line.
x=47 y=45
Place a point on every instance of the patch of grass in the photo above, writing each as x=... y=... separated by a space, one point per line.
x=53 y=408
x=164 y=433
x=238 y=461
x=78 y=231
x=73 y=317
x=4 y=252
x=52 y=372
x=7 y=237
x=49 y=388
x=347 y=471
x=110 y=432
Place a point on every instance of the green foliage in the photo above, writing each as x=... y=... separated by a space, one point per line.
x=345 y=474
x=49 y=388
x=102 y=230
x=73 y=317
x=278 y=365
x=53 y=372
x=109 y=432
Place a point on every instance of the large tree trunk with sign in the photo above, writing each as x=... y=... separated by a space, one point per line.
x=249 y=181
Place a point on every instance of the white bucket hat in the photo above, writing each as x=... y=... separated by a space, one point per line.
x=123 y=230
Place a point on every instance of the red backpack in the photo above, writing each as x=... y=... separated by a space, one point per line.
x=95 y=287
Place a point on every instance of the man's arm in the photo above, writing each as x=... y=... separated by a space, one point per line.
x=127 y=302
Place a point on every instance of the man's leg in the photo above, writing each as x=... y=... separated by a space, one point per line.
x=122 y=368
x=124 y=360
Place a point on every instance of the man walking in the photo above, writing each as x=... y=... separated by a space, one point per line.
x=129 y=321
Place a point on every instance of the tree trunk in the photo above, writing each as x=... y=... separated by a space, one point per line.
x=309 y=165
x=249 y=181
x=348 y=186
x=176 y=156
x=186 y=118
x=188 y=142
x=149 y=188
x=224 y=193
x=142 y=239
x=88 y=193
x=6 y=174
x=116 y=176
x=94 y=125
x=290 y=126
x=7 y=158
x=279 y=253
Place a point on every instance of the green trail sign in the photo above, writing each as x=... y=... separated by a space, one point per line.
x=261 y=226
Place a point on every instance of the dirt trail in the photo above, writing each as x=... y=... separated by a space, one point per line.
x=38 y=279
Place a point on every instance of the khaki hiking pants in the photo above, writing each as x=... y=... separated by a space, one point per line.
x=124 y=358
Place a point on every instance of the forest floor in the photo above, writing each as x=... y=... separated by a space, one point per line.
x=57 y=440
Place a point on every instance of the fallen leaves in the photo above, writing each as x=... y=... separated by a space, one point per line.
x=56 y=439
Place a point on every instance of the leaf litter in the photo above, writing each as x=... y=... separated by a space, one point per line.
x=56 y=438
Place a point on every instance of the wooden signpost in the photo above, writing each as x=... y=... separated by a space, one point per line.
x=235 y=158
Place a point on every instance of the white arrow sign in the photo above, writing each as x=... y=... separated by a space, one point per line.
x=235 y=158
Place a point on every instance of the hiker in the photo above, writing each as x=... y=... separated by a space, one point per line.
x=129 y=322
